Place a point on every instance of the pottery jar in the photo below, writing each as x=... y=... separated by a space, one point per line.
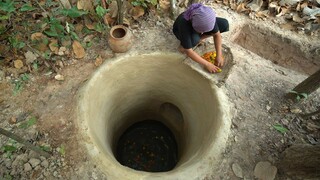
x=120 y=39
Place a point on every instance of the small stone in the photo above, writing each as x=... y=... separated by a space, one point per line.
x=296 y=111
x=27 y=167
x=236 y=139
x=94 y=176
x=237 y=170
x=268 y=108
x=33 y=154
x=45 y=163
x=13 y=172
x=2 y=75
x=23 y=158
x=42 y=158
x=55 y=174
x=285 y=122
x=264 y=170
x=13 y=120
x=34 y=162
x=8 y=163
x=59 y=77
x=18 y=64
x=62 y=51
x=46 y=173
x=62 y=48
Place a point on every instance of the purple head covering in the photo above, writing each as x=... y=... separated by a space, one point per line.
x=202 y=17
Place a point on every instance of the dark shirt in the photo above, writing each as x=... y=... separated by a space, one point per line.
x=188 y=37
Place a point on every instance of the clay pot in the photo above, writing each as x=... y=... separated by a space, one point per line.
x=120 y=39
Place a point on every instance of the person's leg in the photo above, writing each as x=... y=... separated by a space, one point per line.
x=223 y=24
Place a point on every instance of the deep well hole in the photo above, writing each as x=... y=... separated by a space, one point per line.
x=157 y=87
x=280 y=50
x=148 y=145
x=119 y=33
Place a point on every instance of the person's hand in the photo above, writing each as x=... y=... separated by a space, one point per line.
x=212 y=68
x=219 y=60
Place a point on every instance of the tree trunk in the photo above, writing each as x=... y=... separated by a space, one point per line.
x=307 y=86
x=301 y=160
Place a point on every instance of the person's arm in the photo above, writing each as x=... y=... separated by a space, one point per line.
x=218 y=46
x=195 y=57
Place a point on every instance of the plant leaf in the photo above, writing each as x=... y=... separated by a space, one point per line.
x=304 y=95
x=52 y=32
x=153 y=2
x=62 y=150
x=27 y=7
x=5 y=17
x=73 y=12
x=7 y=6
x=280 y=128
x=29 y=123
x=294 y=92
x=45 y=148
x=101 y=11
x=9 y=148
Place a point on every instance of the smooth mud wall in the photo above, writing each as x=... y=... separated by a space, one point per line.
x=134 y=88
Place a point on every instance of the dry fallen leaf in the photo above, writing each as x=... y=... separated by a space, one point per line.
x=54 y=47
x=288 y=2
x=126 y=22
x=66 y=4
x=108 y=19
x=37 y=36
x=241 y=7
x=255 y=5
x=137 y=12
x=89 y=38
x=85 y=5
x=98 y=61
x=18 y=64
x=262 y=14
x=113 y=7
x=78 y=28
x=233 y=6
x=312 y=13
x=78 y=50
x=60 y=63
x=297 y=18
x=281 y=11
x=164 y=4
x=88 y=23
x=30 y=57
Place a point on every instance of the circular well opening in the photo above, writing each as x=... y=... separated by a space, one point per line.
x=158 y=87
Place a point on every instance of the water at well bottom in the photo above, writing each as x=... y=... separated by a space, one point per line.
x=148 y=146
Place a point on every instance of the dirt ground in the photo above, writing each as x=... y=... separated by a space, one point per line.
x=255 y=85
